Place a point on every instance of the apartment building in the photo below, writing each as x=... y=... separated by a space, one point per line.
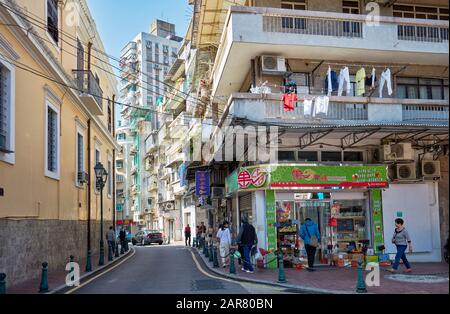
x=145 y=61
x=56 y=124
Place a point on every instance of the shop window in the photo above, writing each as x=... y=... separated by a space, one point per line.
x=286 y=156
x=353 y=156
x=331 y=156
x=308 y=156
x=352 y=230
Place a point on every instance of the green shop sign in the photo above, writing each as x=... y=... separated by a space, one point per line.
x=293 y=176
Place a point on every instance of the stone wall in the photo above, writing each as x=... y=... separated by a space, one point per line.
x=26 y=244
x=443 y=199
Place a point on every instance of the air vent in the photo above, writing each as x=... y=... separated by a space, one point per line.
x=400 y=151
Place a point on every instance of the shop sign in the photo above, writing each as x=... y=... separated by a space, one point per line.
x=252 y=178
x=271 y=220
x=202 y=184
x=377 y=219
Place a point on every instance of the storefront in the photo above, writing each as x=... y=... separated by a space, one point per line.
x=344 y=202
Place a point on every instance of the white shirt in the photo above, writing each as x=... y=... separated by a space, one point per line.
x=224 y=236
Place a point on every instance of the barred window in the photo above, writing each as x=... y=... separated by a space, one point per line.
x=80 y=152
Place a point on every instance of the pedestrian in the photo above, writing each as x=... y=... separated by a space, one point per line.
x=247 y=239
x=111 y=238
x=209 y=235
x=310 y=234
x=402 y=240
x=202 y=231
x=224 y=237
x=122 y=238
x=187 y=235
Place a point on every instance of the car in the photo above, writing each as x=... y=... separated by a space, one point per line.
x=147 y=237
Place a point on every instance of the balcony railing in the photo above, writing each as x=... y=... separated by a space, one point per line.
x=422 y=33
x=89 y=90
x=431 y=113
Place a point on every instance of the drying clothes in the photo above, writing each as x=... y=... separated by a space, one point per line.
x=289 y=101
x=344 y=76
x=386 y=79
x=321 y=105
x=360 y=82
x=331 y=82
x=370 y=80
x=374 y=77
x=307 y=107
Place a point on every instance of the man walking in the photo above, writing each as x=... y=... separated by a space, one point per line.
x=122 y=238
x=247 y=238
x=187 y=235
x=111 y=238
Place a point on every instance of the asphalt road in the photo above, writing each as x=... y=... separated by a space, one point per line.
x=167 y=270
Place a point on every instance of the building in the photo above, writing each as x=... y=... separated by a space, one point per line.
x=57 y=114
x=145 y=61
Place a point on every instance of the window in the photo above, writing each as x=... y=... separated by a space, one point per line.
x=420 y=12
x=294 y=4
x=80 y=155
x=120 y=178
x=331 y=156
x=286 y=156
x=174 y=53
x=110 y=176
x=308 y=156
x=294 y=23
x=97 y=160
x=422 y=88
x=80 y=55
x=119 y=164
x=351 y=7
x=52 y=20
x=121 y=136
x=353 y=156
x=52 y=142
x=7 y=110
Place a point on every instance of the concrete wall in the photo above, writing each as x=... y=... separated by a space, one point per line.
x=443 y=190
x=26 y=244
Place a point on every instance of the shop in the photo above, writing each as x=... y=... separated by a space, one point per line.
x=344 y=202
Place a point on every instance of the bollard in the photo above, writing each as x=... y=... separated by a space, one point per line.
x=194 y=242
x=281 y=273
x=215 y=257
x=122 y=247
x=210 y=253
x=101 y=260
x=361 y=285
x=232 y=266
x=72 y=269
x=110 y=253
x=206 y=248
x=88 y=262
x=44 y=279
x=2 y=283
x=116 y=253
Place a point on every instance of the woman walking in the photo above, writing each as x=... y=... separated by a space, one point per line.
x=224 y=237
x=402 y=240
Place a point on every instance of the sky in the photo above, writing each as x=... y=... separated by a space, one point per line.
x=119 y=21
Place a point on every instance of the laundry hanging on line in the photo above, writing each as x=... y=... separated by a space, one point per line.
x=385 y=79
x=331 y=82
x=344 y=77
x=360 y=79
x=289 y=102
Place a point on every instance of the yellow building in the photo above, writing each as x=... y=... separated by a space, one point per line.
x=56 y=122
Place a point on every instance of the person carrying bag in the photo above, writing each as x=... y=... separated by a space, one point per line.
x=309 y=232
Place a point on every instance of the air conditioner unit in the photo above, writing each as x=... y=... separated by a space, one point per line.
x=82 y=177
x=400 y=151
x=431 y=169
x=405 y=172
x=273 y=65
x=217 y=192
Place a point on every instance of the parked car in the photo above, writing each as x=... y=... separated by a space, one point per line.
x=147 y=237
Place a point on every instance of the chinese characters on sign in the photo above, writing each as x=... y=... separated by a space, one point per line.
x=202 y=184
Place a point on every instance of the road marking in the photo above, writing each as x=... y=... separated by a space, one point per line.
x=231 y=280
x=101 y=274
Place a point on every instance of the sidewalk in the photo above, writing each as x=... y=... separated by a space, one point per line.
x=57 y=279
x=344 y=280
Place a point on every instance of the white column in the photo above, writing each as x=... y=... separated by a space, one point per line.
x=259 y=214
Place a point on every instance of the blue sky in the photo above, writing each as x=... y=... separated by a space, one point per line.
x=119 y=21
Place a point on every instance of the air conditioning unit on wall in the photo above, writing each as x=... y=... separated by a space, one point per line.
x=273 y=65
x=400 y=151
x=405 y=172
x=431 y=169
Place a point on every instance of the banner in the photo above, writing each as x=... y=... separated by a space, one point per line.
x=377 y=217
x=202 y=184
x=271 y=221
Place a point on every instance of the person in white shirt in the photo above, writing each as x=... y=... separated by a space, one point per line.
x=224 y=237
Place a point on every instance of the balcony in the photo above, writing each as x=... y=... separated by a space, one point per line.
x=180 y=126
x=151 y=144
x=342 y=110
x=314 y=35
x=90 y=92
x=153 y=184
x=164 y=135
x=177 y=189
x=174 y=159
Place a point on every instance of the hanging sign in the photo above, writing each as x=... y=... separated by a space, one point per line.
x=202 y=184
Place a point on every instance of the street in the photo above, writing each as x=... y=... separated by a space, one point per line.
x=166 y=269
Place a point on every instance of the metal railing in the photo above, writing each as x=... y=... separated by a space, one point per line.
x=422 y=33
x=312 y=26
x=418 y=112
x=87 y=84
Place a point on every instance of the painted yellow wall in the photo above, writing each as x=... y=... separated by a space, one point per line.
x=28 y=193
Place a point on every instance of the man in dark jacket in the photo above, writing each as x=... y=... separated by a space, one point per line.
x=247 y=239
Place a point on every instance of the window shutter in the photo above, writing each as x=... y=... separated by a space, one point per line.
x=52 y=140
x=80 y=153
x=3 y=108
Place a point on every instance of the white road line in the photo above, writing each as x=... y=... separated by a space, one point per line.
x=101 y=274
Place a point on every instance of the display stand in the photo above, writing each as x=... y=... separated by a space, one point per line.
x=288 y=243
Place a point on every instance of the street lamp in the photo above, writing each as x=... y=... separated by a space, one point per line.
x=101 y=177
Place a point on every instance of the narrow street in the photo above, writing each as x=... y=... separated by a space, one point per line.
x=167 y=270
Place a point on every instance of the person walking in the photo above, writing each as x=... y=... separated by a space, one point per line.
x=111 y=238
x=247 y=238
x=122 y=238
x=310 y=234
x=187 y=235
x=224 y=237
x=202 y=230
x=402 y=240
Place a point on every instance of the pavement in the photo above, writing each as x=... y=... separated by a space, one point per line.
x=427 y=278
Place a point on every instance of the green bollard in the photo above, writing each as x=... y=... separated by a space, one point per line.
x=232 y=266
x=101 y=260
x=88 y=262
x=116 y=253
x=2 y=283
x=361 y=285
x=206 y=250
x=44 y=279
x=110 y=253
x=210 y=253
x=215 y=257
x=281 y=273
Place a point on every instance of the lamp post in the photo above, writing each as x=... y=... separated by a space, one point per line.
x=101 y=177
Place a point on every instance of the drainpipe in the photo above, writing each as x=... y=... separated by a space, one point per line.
x=113 y=122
